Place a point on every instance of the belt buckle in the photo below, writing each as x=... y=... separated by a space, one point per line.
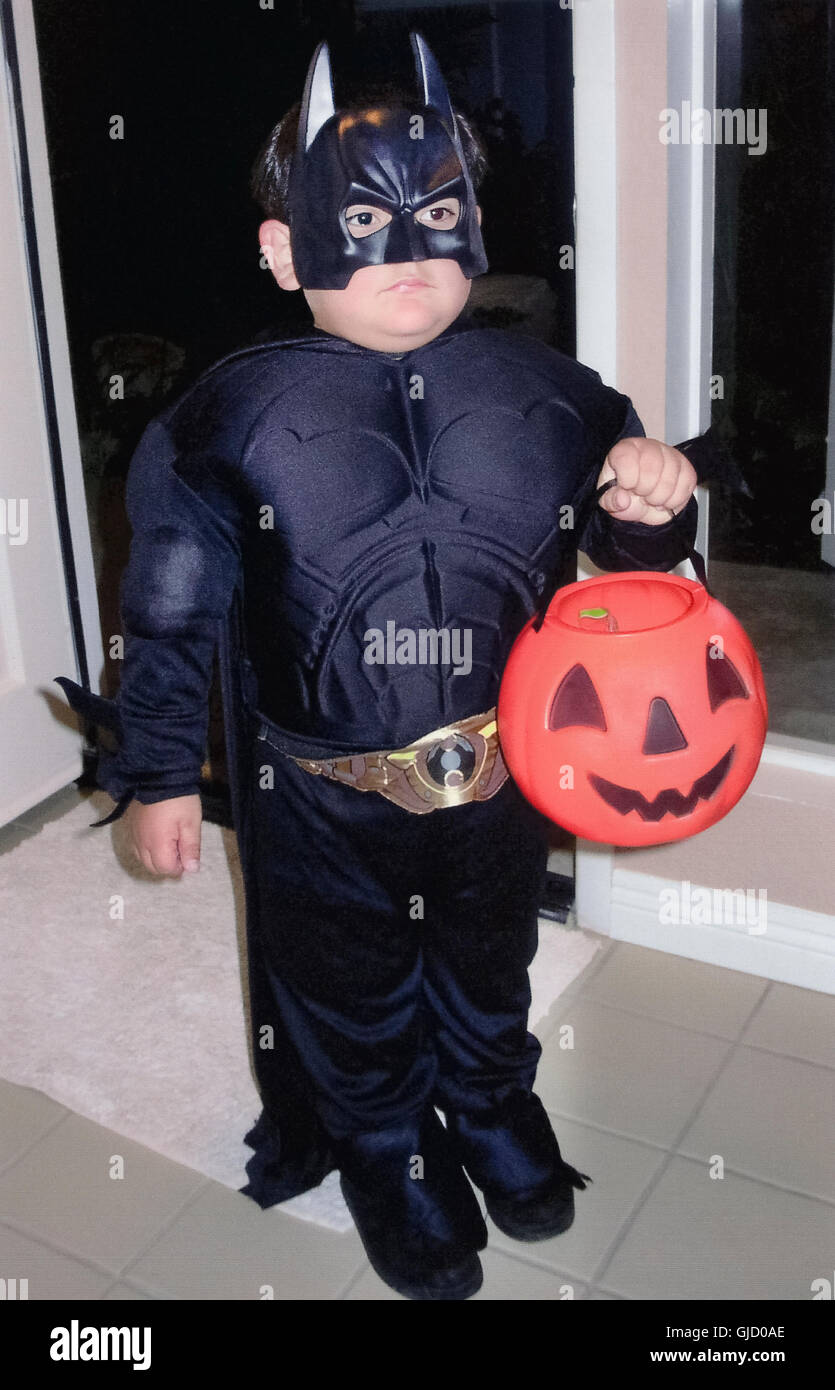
x=445 y=768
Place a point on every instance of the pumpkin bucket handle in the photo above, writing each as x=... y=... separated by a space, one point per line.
x=583 y=514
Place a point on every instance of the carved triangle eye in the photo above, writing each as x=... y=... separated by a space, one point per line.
x=663 y=734
x=723 y=681
x=576 y=702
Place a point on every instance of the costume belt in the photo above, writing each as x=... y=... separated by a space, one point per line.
x=458 y=763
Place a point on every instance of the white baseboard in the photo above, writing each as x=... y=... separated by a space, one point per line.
x=796 y=948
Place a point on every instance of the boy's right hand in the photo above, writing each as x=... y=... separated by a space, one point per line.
x=166 y=834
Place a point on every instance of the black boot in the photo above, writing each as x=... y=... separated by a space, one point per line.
x=512 y=1154
x=421 y=1233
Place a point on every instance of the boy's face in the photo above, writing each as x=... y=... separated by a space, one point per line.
x=391 y=307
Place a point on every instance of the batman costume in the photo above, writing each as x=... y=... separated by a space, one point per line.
x=304 y=494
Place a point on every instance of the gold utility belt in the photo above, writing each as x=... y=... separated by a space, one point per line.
x=458 y=763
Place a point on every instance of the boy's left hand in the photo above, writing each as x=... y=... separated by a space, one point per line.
x=653 y=480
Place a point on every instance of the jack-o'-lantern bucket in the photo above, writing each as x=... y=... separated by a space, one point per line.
x=635 y=714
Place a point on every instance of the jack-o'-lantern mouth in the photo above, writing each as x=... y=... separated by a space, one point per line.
x=671 y=800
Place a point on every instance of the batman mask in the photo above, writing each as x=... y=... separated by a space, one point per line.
x=396 y=160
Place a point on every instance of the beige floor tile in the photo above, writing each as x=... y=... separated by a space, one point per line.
x=223 y=1246
x=543 y=1027
x=125 y=1293
x=50 y=1274
x=800 y=1022
x=546 y=1025
x=582 y=981
x=634 y=1075
x=62 y=1190
x=687 y=993
x=621 y=1171
x=512 y=1279
x=505 y=1280
x=24 y=1115
x=368 y=1288
x=711 y=1239
x=771 y=1117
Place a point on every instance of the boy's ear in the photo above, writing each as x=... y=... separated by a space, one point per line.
x=274 y=240
x=478 y=213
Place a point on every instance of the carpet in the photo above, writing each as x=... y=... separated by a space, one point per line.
x=121 y=993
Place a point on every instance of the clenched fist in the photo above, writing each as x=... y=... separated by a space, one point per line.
x=653 y=480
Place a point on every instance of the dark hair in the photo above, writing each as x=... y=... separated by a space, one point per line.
x=270 y=177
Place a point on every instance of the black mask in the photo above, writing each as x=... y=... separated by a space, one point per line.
x=372 y=156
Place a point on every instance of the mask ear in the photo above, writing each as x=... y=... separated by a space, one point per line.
x=435 y=95
x=317 y=100
x=434 y=92
x=433 y=87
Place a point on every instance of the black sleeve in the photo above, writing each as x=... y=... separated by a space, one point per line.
x=176 y=590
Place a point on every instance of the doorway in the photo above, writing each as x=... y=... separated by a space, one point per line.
x=772 y=552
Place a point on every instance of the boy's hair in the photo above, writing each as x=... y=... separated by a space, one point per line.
x=270 y=177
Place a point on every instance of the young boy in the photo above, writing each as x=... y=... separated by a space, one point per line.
x=344 y=512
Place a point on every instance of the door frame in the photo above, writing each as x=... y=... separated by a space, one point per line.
x=611 y=193
x=38 y=216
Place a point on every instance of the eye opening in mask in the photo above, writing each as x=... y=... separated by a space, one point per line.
x=378 y=217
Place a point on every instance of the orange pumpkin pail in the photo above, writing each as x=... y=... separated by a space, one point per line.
x=636 y=713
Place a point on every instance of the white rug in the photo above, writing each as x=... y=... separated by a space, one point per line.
x=121 y=993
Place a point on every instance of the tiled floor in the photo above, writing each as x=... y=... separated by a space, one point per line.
x=700 y=1101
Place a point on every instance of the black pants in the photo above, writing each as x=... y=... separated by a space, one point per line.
x=397 y=945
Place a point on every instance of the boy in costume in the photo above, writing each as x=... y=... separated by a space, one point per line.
x=340 y=513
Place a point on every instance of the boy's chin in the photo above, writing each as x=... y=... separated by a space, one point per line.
x=392 y=329
x=417 y=312
x=411 y=314
x=414 y=324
